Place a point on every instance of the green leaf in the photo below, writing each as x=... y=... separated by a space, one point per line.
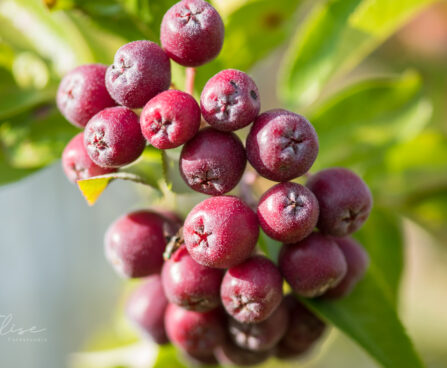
x=171 y=171
x=335 y=37
x=269 y=246
x=168 y=358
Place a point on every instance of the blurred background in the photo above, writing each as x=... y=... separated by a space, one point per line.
x=370 y=75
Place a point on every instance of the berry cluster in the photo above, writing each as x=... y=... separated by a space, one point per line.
x=207 y=290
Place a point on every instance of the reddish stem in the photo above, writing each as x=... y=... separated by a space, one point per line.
x=190 y=78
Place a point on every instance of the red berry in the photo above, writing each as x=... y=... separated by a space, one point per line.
x=76 y=162
x=113 y=137
x=135 y=243
x=345 y=200
x=281 y=145
x=221 y=232
x=313 y=265
x=229 y=354
x=252 y=290
x=288 y=212
x=82 y=93
x=192 y=32
x=170 y=119
x=146 y=308
x=189 y=284
x=213 y=162
x=140 y=70
x=230 y=100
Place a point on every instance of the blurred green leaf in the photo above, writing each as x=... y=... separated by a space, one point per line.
x=168 y=358
x=10 y=174
x=335 y=37
x=171 y=171
x=269 y=246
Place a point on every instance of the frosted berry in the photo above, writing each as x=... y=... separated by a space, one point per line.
x=140 y=70
x=213 y=162
x=281 y=145
x=82 y=93
x=170 y=119
x=230 y=100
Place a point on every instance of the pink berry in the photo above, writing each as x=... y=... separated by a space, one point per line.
x=230 y=100
x=77 y=164
x=198 y=334
x=82 y=93
x=252 y=290
x=313 y=265
x=229 y=354
x=140 y=71
x=357 y=260
x=213 y=162
x=146 y=308
x=345 y=200
x=281 y=145
x=221 y=232
x=192 y=32
x=288 y=212
x=113 y=137
x=189 y=284
x=170 y=119
x=135 y=243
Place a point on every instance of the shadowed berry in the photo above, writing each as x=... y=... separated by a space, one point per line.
x=229 y=354
x=344 y=198
x=281 y=145
x=288 y=212
x=252 y=290
x=313 y=265
x=113 y=137
x=170 y=119
x=82 y=93
x=221 y=232
x=146 y=308
x=213 y=162
x=230 y=100
x=192 y=32
x=140 y=71
x=76 y=162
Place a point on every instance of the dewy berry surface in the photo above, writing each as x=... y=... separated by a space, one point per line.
x=252 y=290
x=281 y=145
x=213 y=162
x=189 y=284
x=345 y=200
x=221 y=232
x=195 y=333
x=192 y=32
x=170 y=119
x=134 y=243
x=288 y=212
x=230 y=100
x=313 y=265
x=146 y=308
x=82 y=93
x=113 y=137
x=140 y=70
x=76 y=162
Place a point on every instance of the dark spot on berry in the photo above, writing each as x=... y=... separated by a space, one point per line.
x=253 y=95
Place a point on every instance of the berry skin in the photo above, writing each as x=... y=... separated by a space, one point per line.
x=313 y=265
x=146 y=308
x=213 y=162
x=229 y=354
x=230 y=100
x=345 y=200
x=140 y=71
x=252 y=290
x=189 y=284
x=198 y=334
x=192 y=32
x=261 y=336
x=288 y=212
x=170 y=119
x=82 y=93
x=135 y=243
x=281 y=145
x=77 y=164
x=357 y=260
x=221 y=232
x=113 y=137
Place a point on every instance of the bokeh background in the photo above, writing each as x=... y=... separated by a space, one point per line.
x=371 y=76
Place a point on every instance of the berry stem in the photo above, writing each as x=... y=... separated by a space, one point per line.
x=190 y=78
